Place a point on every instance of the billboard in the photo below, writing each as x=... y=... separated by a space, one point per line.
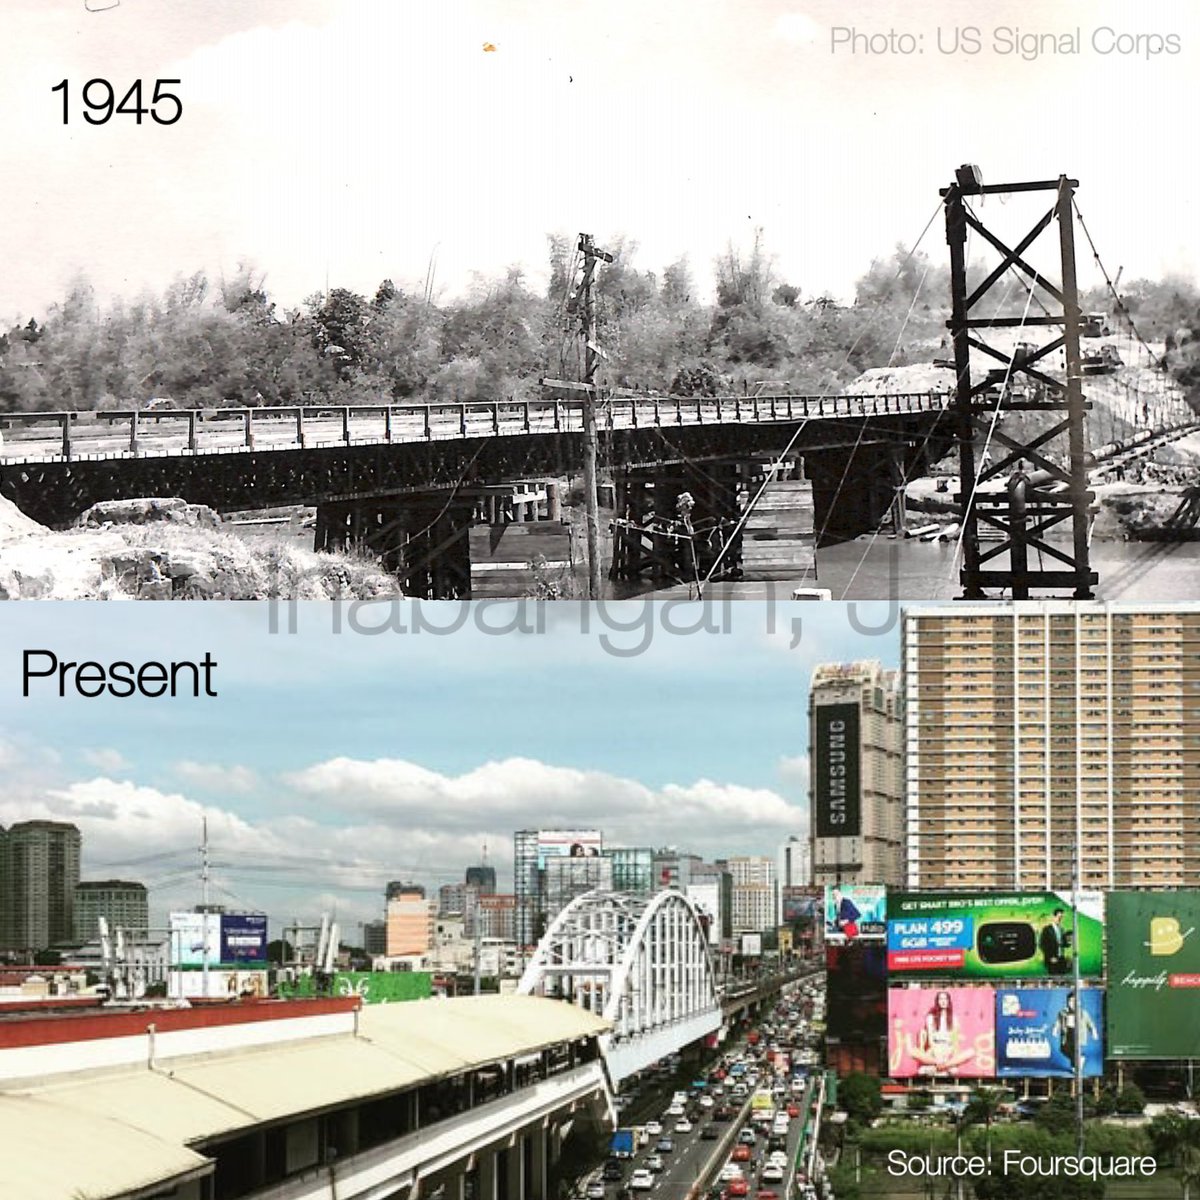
x=801 y=905
x=946 y=1032
x=994 y=935
x=568 y=843
x=751 y=945
x=837 y=802
x=856 y=991
x=244 y=939
x=1036 y=1030
x=236 y=940
x=1154 y=974
x=707 y=899
x=853 y=913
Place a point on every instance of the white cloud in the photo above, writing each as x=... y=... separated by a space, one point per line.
x=794 y=770
x=708 y=816
x=105 y=759
x=216 y=778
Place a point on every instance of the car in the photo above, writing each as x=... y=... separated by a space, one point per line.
x=738 y=1187
x=676 y=1110
x=771 y=1173
x=654 y=1128
x=766 y=1194
x=654 y=1163
x=708 y=1133
x=793 y=1111
x=722 y=1113
x=664 y=1145
x=778 y=1156
x=707 y=1101
x=730 y=1170
x=613 y=1172
x=741 y=1153
x=642 y=1180
x=746 y=1136
x=595 y=1190
x=683 y=1126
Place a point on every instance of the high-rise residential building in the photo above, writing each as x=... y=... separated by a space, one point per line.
x=410 y=921
x=856 y=766
x=1045 y=735
x=122 y=903
x=38 y=875
x=754 y=899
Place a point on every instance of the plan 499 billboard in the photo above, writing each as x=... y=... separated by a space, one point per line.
x=1154 y=975
x=994 y=935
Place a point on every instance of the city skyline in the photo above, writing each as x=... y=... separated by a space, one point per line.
x=402 y=794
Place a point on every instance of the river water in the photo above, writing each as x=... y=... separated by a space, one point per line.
x=915 y=570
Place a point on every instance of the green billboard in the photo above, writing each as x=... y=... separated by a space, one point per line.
x=994 y=935
x=1154 y=975
x=374 y=987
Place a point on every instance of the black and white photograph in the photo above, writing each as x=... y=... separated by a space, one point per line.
x=332 y=300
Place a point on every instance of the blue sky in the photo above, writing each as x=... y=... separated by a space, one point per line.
x=396 y=753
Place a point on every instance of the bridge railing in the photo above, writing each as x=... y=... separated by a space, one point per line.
x=164 y=432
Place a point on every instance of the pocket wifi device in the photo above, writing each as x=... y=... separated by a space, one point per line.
x=1005 y=941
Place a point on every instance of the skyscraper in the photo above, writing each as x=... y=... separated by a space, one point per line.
x=856 y=765
x=122 y=903
x=39 y=874
x=1036 y=728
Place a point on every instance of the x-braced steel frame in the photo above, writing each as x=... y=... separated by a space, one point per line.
x=1028 y=505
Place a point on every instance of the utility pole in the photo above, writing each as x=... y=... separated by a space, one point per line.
x=591 y=355
x=1080 y=1023
x=204 y=918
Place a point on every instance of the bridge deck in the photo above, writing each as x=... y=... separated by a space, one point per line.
x=104 y=436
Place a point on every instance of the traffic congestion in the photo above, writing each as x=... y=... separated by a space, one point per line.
x=741 y=1128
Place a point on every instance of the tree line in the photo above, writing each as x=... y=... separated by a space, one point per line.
x=205 y=343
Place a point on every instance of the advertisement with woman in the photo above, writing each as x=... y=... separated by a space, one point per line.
x=947 y=1032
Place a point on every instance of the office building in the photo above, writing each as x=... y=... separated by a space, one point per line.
x=122 y=903
x=375 y=938
x=856 y=765
x=543 y=882
x=632 y=869
x=38 y=877
x=482 y=878
x=494 y=916
x=1038 y=729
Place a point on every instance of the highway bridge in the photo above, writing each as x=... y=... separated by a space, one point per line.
x=405 y=481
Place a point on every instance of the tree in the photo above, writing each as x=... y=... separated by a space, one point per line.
x=1176 y=1139
x=1131 y=1100
x=861 y=1097
x=280 y=952
x=981 y=1109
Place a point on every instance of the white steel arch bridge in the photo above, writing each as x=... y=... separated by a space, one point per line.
x=642 y=963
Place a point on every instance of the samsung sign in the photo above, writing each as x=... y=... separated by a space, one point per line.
x=837 y=799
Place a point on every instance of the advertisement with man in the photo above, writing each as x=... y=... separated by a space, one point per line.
x=855 y=912
x=941 y=1032
x=995 y=935
x=1037 y=1030
x=1154 y=975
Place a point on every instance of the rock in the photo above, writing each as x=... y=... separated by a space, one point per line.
x=26 y=585
x=147 y=510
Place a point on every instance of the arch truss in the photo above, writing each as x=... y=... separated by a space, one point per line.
x=642 y=963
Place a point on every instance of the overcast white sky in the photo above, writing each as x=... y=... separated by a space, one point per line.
x=353 y=139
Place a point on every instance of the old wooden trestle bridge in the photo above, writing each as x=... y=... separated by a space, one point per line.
x=409 y=481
